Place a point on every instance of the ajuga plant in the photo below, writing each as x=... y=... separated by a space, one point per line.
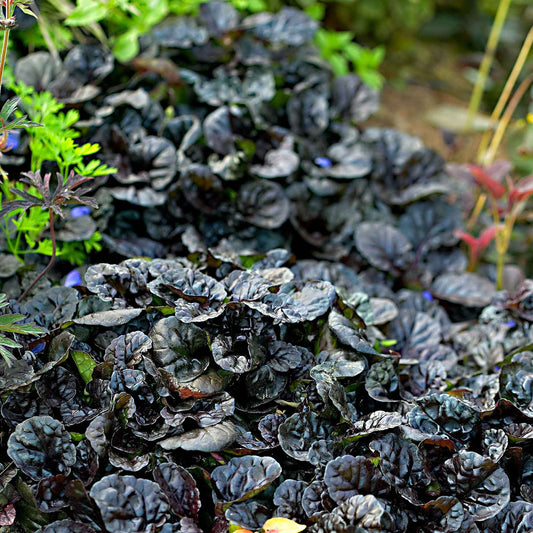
x=8 y=324
x=53 y=202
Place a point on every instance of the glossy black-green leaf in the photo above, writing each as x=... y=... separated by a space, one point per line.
x=41 y=447
x=288 y=27
x=382 y=381
x=243 y=478
x=358 y=513
x=179 y=349
x=180 y=489
x=347 y=333
x=349 y=475
x=127 y=503
x=469 y=289
x=383 y=246
x=292 y=305
x=516 y=385
x=297 y=434
x=288 y=497
x=209 y=439
x=196 y=297
x=263 y=204
x=441 y=413
x=481 y=486
x=128 y=350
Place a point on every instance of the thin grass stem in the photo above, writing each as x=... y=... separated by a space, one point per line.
x=486 y=63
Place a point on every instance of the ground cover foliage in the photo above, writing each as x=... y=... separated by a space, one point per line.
x=287 y=328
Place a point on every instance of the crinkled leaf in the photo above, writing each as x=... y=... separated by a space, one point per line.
x=287 y=27
x=288 y=498
x=359 y=513
x=210 y=439
x=127 y=350
x=377 y=421
x=348 y=334
x=243 y=478
x=349 y=475
x=430 y=225
x=439 y=413
x=517 y=517
x=180 y=489
x=179 y=349
x=400 y=462
x=263 y=204
x=217 y=131
x=195 y=296
x=66 y=526
x=467 y=288
x=382 y=381
x=131 y=504
x=291 y=305
x=383 y=246
x=516 y=385
x=298 y=432
x=218 y=17
x=482 y=487
x=41 y=447
x=415 y=331
x=352 y=99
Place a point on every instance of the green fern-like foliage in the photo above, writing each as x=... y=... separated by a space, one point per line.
x=8 y=324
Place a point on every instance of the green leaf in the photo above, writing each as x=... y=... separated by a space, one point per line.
x=7 y=320
x=86 y=13
x=4 y=341
x=85 y=364
x=23 y=329
x=8 y=356
x=126 y=46
x=316 y=11
x=338 y=64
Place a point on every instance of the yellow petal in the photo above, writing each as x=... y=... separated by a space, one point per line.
x=282 y=525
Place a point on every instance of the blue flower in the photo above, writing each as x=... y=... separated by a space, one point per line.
x=73 y=278
x=428 y=296
x=80 y=211
x=510 y=324
x=39 y=347
x=13 y=139
x=323 y=162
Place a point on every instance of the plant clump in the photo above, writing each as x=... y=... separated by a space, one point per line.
x=284 y=332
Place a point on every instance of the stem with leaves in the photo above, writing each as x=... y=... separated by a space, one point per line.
x=50 y=263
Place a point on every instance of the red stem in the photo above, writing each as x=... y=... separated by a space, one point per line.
x=4 y=45
x=52 y=258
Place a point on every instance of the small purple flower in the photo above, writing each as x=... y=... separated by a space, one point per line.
x=510 y=324
x=323 y=162
x=497 y=368
x=39 y=347
x=13 y=140
x=73 y=278
x=428 y=296
x=80 y=211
